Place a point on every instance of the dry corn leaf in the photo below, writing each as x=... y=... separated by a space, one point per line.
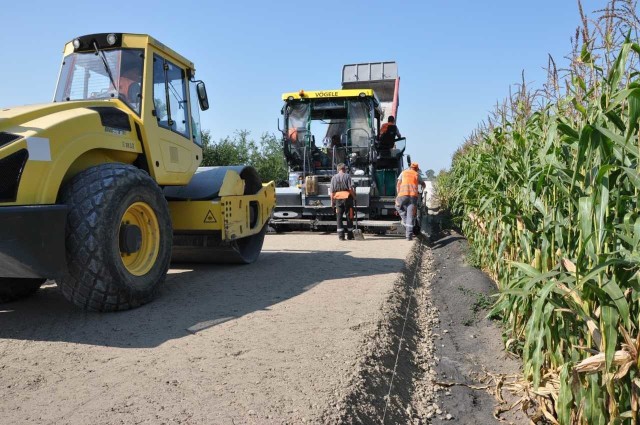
x=591 y=324
x=569 y=265
x=498 y=391
x=564 y=310
x=548 y=415
x=624 y=369
x=597 y=363
x=595 y=332
x=584 y=348
x=629 y=342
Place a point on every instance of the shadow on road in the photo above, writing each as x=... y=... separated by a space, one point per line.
x=444 y=241
x=194 y=297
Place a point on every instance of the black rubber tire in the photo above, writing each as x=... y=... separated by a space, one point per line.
x=12 y=289
x=248 y=249
x=97 y=279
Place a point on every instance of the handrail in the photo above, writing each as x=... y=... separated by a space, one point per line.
x=367 y=132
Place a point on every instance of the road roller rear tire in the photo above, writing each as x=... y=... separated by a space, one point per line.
x=118 y=238
x=248 y=249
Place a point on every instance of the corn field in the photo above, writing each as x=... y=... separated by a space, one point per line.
x=546 y=191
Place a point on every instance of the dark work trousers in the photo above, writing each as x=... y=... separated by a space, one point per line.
x=343 y=207
x=407 y=208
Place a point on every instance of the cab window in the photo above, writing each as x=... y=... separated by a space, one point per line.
x=111 y=74
x=170 y=96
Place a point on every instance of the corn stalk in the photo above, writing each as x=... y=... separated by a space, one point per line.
x=547 y=194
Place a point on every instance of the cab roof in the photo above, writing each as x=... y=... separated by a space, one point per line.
x=330 y=94
x=126 y=40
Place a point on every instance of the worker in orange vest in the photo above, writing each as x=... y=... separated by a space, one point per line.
x=129 y=82
x=391 y=128
x=342 y=195
x=407 y=196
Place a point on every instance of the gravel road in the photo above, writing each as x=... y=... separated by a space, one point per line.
x=273 y=342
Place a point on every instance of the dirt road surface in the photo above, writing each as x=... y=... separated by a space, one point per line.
x=273 y=342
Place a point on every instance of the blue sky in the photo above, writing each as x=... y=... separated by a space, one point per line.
x=455 y=59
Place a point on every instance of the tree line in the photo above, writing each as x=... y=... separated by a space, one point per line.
x=265 y=155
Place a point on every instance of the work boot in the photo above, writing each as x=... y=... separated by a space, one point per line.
x=341 y=236
x=409 y=237
x=350 y=236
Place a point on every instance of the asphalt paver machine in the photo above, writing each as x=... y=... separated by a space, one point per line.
x=324 y=128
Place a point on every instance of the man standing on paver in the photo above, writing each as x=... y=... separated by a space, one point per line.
x=407 y=198
x=342 y=195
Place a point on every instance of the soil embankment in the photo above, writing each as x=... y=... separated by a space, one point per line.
x=431 y=358
x=468 y=346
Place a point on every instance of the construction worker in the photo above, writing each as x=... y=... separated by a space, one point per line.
x=342 y=195
x=293 y=134
x=389 y=133
x=407 y=198
x=130 y=78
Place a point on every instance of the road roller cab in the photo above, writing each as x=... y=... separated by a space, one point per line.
x=96 y=186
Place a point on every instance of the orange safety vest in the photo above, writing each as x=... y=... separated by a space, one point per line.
x=293 y=134
x=343 y=194
x=386 y=126
x=409 y=183
x=124 y=83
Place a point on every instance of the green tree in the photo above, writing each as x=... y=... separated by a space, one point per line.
x=265 y=156
x=231 y=150
x=430 y=175
x=269 y=161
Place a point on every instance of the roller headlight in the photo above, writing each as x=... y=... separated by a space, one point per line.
x=111 y=39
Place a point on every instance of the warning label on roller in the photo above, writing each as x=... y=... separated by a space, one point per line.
x=210 y=218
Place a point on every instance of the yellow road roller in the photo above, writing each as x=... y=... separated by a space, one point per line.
x=101 y=189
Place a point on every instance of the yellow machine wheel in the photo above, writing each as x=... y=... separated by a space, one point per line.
x=139 y=225
x=119 y=238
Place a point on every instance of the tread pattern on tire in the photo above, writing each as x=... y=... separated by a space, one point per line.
x=89 y=281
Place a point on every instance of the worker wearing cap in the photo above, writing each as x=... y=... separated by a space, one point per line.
x=342 y=194
x=407 y=198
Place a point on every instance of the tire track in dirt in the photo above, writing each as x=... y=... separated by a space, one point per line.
x=391 y=381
